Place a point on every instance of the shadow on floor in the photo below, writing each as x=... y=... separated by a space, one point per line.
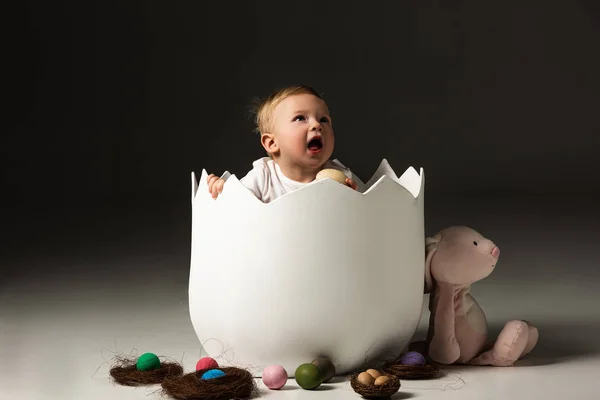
x=558 y=342
x=561 y=341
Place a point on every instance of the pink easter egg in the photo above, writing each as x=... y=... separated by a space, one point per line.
x=274 y=377
x=206 y=363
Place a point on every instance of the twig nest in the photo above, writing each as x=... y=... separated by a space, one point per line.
x=127 y=371
x=234 y=383
x=412 y=365
x=373 y=384
x=331 y=173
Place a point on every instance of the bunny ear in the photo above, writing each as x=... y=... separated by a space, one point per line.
x=430 y=240
x=431 y=246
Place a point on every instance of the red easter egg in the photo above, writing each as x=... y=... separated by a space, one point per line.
x=206 y=363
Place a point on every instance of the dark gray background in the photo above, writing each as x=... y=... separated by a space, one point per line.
x=111 y=105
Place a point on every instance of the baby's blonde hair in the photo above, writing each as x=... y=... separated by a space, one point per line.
x=264 y=111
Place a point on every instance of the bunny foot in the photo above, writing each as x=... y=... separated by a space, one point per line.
x=532 y=339
x=516 y=339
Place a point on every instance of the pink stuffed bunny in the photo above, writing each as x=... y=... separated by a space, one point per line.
x=457 y=257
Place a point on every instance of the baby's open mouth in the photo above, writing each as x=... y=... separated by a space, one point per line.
x=315 y=144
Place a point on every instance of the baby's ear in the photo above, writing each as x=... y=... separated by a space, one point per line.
x=268 y=142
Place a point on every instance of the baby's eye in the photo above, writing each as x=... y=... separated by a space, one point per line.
x=299 y=118
x=475 y=243
x=325 y=120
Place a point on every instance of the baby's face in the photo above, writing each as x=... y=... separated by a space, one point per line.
x=302 y=129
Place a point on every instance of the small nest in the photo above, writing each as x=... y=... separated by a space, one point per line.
x=236 y=384
x=376 y=391
x=126 y=373
x=404 y=371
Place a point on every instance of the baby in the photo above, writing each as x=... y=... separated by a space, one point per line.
x=296 y=131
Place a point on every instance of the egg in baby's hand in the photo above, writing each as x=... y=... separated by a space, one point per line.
x=333 y=174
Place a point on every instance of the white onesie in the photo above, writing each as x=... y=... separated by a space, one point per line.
x=267 y=182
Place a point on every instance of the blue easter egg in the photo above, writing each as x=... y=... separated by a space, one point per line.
x=212 y=373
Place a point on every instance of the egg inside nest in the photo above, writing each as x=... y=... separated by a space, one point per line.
x=372 y=384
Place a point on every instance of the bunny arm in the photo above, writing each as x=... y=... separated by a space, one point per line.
x=443 y=346
x=470 y=325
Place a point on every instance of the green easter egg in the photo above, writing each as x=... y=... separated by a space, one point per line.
x=147 y=362
x=308 y=376
x=326 y=367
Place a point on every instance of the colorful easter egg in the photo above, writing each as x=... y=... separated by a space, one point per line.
x=274 y=377
x=147 y=362
x=308 y=376
x=212 y=374
x=412 y=358
x=326 y=367
x=206 y=363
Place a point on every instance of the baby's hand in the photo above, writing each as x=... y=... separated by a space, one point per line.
x=215 y=185
x=351 y=183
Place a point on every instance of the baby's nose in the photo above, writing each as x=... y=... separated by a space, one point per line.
x=495 y=252
x=316 y=124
